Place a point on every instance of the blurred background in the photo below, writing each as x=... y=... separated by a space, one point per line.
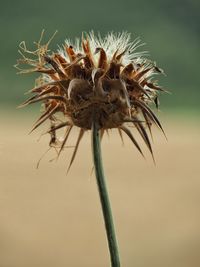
x=50 y=219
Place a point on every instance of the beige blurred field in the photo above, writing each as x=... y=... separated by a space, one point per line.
x=48 y=219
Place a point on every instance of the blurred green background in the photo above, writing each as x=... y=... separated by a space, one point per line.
x=170 y=30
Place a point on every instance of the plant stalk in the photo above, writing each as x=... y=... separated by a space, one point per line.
x=104 y=198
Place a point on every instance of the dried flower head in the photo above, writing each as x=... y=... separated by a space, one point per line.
x=94 y=78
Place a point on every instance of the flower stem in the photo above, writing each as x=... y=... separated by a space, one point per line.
x=103 y=193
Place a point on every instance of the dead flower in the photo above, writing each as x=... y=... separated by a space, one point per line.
x=94 y=77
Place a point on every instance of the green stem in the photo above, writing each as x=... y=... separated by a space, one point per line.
x=103 y=193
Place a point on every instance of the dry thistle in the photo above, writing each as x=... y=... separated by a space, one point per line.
x=96 y=85
x=97 y=77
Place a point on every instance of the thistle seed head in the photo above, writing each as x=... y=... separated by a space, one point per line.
x=95 y=78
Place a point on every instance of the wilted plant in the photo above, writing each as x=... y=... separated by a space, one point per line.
x=96 y=84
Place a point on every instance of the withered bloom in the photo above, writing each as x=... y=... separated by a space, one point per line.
x=94 y=77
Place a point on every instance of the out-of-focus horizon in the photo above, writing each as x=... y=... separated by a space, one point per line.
x=169 y=29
